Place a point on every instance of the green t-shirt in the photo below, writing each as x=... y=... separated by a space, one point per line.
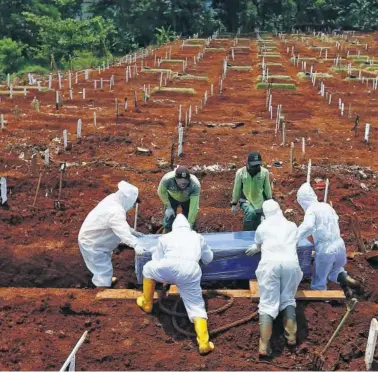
x=168 y=186
x=254 y=189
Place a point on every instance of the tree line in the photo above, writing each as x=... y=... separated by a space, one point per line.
x=41 y=35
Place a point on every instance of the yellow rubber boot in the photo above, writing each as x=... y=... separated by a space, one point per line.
x=205 y=346
x=290 y=325
x=146 y=301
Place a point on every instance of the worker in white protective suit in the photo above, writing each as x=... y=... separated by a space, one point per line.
x=102 y=231
x=278 y=273
x=322 y=222
x=175 y=261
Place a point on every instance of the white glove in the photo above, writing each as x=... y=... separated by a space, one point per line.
x=169 y=213
x=139 y=250
x=252 y=250
x=137 y=234
x=234 y=209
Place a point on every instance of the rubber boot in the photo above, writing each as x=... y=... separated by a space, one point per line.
x=146 y=301
x=266 y=328
x=347 y=283
x=290 y=325
x=344 y=278
x=205 y=346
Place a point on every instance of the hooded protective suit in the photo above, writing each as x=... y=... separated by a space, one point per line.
x=322 y=222
x=175 y=261
x=102 y=231
x=278 y=273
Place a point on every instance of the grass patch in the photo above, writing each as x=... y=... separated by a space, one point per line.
x=319 y=48
x=15 y=93
x=269 y=55
x=166 y=70
x=171 y=61
x=356 y=57
x=191 y=77
x=364 y=79
x=215 y=49
x=271 y=64
x=276 y=77
x=242 y=47
x=190 y=91
x=195 y=40
x=343 y=68
x=319 y=75
x=193 y=45
x=275 y=86
x=304 y=59
x=240 y=68
x=266 y=41
x=373 y=68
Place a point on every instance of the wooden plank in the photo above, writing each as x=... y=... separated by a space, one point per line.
x=307 y=295
x=120 y=294
x=320 y=295
x=254 y=288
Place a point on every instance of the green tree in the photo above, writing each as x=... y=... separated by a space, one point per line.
x=11 y=57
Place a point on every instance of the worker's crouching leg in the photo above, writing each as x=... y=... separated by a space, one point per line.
x=252 y=217
x=99 y=263
x=146 y=301
x=191 y=295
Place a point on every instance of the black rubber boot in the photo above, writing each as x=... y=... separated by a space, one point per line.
x=347 y=283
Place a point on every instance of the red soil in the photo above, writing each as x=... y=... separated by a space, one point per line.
x=38 y=246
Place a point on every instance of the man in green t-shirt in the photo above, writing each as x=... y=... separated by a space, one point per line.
x=251 y=189
x=179 y=188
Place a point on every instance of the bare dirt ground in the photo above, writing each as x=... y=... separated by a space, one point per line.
x=40 y=324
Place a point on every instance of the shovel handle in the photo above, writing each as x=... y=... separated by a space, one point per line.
x=60 y=185
x=38 y=185
x=345 y=317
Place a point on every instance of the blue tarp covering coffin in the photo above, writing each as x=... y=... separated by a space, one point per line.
x=230 y=261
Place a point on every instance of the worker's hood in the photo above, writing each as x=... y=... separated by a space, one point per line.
x=127 y=195
x=306 y=196
x=180 y=222
x=271 y=208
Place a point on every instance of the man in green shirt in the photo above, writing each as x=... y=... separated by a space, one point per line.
x=179 y=188
x=251 y=189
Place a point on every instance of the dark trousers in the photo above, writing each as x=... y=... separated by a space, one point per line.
x=175 y=204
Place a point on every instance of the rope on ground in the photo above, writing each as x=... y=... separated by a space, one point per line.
x=175 y=314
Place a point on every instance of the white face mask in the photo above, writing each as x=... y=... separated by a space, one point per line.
x=182 y=183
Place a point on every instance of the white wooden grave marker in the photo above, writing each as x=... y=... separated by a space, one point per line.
x=309 y=172
x=47 y=157
x=371 y=343
x=4 y=197
x=70 y=363
x=367 y=131
x=65 y=138
x=326 y=191
x=79 y=126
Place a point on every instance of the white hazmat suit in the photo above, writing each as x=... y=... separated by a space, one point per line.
x=278 y=273
x=102 y=231
x=175 y=261
x=322 y=222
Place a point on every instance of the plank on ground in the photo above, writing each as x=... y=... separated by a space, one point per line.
x=302 y=294
x=130 y=294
